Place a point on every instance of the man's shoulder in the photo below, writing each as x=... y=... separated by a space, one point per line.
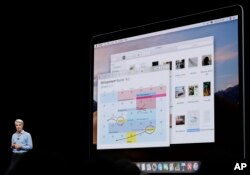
x=25 y=132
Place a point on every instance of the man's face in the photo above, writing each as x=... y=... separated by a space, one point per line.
x=19 y=127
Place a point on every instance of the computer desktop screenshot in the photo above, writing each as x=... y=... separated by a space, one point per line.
x=162 y=92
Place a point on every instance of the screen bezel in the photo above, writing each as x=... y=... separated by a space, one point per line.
x=211 y=149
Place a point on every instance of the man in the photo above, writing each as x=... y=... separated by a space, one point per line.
x=21 y=143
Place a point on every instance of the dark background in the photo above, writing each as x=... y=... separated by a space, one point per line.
x=45 y=69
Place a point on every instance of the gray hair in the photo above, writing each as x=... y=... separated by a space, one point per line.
x=19 y=121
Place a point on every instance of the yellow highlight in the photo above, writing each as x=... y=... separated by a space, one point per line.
x=150 y=129
x=131 y=137
x=120 y=120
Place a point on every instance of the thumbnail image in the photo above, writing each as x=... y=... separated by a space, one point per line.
x=193 y=120
x=131 y=67
x=206 y=88
x=180 y=120
x=170 y=64
x=154 y=166
x=148 y=167
x=171 y=166
x=189 y=166
x=159 y=167
x=195 y=166
x=206 y=60
x=177 y=166
x=155 y=63
x=179 y=91
x=143 y=167
x=183 y=166
x=180 y=64
x=193 y=90
x=165 y=166
x=193 y=62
